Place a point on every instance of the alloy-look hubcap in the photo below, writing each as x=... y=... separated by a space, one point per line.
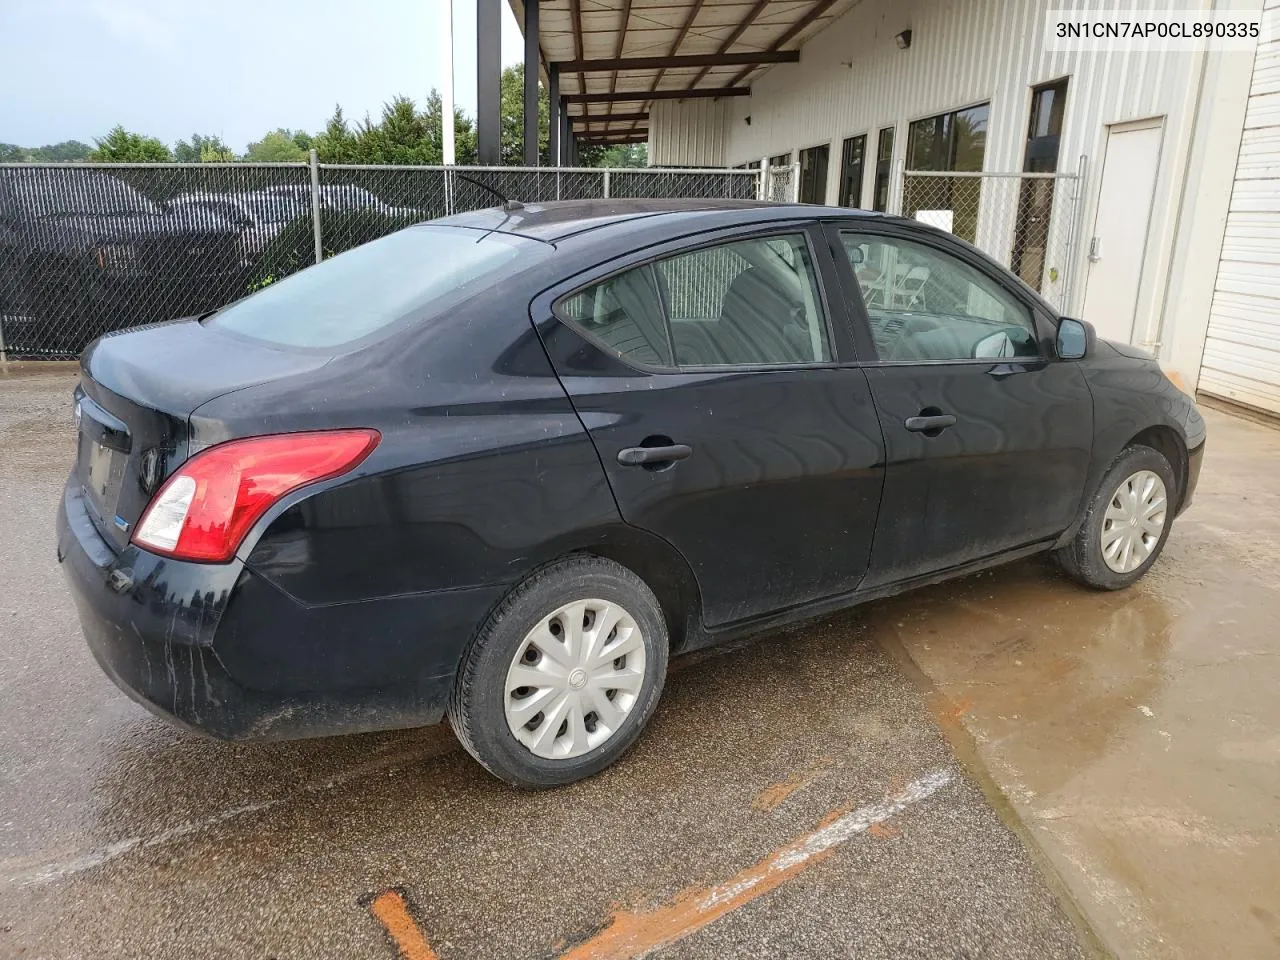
x=1134 y=520
x=574 y=679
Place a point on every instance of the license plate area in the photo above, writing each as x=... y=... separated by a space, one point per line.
x=102 y=457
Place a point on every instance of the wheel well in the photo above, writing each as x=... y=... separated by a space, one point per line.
x=658 y=564
x=1166 y=441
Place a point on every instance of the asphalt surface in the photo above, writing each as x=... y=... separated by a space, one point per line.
x=793 y=797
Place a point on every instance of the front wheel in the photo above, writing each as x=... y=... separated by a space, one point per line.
x=563 y=675
x=1126 y=524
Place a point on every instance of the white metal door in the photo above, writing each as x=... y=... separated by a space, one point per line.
x=1118 y=244
x=1242 y=349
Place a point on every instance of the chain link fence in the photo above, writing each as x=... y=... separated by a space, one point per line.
x=1027 y=221
x=782 y=184
x=90 y=248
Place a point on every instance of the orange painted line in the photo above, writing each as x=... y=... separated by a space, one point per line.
x=631 y=935
x=393 y=913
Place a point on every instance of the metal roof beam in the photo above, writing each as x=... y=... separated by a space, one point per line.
x=699 y=94
x=755 y=58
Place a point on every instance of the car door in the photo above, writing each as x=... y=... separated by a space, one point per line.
x=709 y=376
x=987 y=435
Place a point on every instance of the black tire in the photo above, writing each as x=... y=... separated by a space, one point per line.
x=477 y=706
x=1082 y=558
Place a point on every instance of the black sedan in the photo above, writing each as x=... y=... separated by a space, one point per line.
x=504 y=465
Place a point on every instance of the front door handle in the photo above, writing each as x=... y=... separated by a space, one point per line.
x=931 y=425
x=648 y=456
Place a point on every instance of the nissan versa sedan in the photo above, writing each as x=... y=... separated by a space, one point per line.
x=504 y=465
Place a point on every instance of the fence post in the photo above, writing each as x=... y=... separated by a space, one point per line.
x=606 y=183
x=315 y=205
x=1075 y=233
x=897 y=190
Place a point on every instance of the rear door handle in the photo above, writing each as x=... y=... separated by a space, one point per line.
x=639 y=456
x=925 y=424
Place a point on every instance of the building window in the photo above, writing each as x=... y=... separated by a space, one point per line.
x=884 y=169
x=781 y=160
x=1035 y=198
x=852 y=162
x=813 y=174
x=954 y=143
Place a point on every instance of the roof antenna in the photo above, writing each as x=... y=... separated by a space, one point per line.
x=508 y=204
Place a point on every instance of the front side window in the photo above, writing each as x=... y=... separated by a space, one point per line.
x=745 y=303
x=925 y=304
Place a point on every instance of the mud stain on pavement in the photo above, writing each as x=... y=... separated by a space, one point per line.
x=772 y=796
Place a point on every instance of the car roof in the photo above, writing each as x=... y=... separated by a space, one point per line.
x=559 y=219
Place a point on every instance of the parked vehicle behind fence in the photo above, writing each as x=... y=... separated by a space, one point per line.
x=505 y=464
x=77 y=245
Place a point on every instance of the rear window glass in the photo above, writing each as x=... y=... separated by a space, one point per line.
x=417 y=273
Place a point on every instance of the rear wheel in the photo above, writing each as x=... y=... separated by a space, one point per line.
x=1126 y=523
x=563 y=675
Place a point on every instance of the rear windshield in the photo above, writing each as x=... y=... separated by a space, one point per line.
x=416 y=273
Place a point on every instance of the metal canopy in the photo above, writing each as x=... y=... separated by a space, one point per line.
x=615 y=57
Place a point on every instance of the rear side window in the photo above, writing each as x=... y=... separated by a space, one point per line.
x=625 y=313
x=416 y=274
x=746 y=303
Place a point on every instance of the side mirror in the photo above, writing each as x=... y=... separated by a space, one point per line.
x=1075 y=339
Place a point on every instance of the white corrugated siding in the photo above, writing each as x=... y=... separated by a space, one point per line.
x=853 y=79
x=1242 y=351
x=690 y=134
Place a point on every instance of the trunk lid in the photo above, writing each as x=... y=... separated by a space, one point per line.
x=137 y=392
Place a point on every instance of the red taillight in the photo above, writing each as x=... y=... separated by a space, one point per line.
x=205 y=509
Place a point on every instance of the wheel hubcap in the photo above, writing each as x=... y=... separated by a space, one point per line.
x=1134 y=520
x=574 y=679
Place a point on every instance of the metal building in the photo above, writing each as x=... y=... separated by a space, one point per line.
x=1109 y=181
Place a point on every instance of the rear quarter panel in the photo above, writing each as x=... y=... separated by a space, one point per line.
x=483 y=469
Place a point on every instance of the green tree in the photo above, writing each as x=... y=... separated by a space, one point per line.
x=202 y=149
x=121 y=146
x=464 y=131
x=623 y=155
x=278 y=146
x=65 y=152
x=336 y=143
x=400 y=136
x=12 y=153
x=511 y=109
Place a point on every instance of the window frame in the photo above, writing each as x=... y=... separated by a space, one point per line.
x=825 y=271
x=892 y=130
x=1043 y=317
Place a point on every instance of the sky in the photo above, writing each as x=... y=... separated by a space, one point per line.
x=231 y=68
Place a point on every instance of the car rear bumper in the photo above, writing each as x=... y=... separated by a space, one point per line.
x=218 y=650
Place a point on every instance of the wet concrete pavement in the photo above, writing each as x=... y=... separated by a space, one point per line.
x=1138 y=733
x=811 y=794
